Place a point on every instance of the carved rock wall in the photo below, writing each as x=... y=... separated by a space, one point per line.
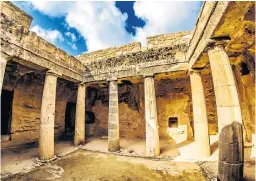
x=245 y=80
x=27 y=107
x=173 y=100
x=211 y=108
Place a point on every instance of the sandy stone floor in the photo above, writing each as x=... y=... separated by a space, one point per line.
x=20 y=163
x=88 y=166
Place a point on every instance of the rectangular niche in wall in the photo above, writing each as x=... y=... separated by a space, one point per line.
x=173 y=122
x=6 y=112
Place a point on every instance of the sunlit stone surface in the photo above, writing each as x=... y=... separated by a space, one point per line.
x=178 y=99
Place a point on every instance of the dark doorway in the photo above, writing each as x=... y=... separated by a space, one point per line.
x=173 y=122
x=70 y=116
x=6 y=111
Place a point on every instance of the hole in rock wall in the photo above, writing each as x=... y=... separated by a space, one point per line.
x=127 y=82
x=173 y=122
x=70 y=116
x=244 y=69
x=90 y=117
x=6 y=111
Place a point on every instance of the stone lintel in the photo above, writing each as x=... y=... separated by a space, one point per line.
x=54 y=73
x=214 y=14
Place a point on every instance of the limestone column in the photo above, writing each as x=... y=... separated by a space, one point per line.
x=231 y=153
x=152 y=135
x=227 y=101
x=3 y=66
x=46 y=139
x=200 y=116
x=80 y=116
x=113 y=118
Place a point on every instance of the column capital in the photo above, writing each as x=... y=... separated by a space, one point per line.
x=217 y=42
x=214 y=47
x=82 y=84
x=198 y=71
x=112 y=79
x=148 y=75
x=4 y=57
x=50 y=72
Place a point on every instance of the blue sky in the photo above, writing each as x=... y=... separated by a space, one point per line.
x=78 y=27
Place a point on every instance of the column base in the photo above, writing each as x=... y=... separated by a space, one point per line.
x=113 y=145
x=153 y=153
x=79 y=143
x=45 y=160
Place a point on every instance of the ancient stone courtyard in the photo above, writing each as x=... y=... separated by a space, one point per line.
x=180 y=108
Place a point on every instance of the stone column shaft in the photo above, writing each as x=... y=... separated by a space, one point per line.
x=200 y=116
x=152 y=135
x=80 y=116
x=3 y=66
x=227 y=101
x=46 y=140
x=113 y=118
x=231 y=151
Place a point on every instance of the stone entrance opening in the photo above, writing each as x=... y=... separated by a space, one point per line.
x=6 y=111
x=70 y=116
x=173 y=122
x=90 y=123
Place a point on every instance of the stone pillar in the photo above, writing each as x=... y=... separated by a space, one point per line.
x=200 y=116
x=152 y=135
x=113 y=118
x=46 y=139
x=229 y=116
x=80 y=116
x=3 y=66
x=227 y=101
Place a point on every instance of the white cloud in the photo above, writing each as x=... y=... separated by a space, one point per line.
x=52 y=8
x=103 y=25
x=50 y=35
x=71 y=35
x=100 y=23
x=73 y=45
x=165 y=17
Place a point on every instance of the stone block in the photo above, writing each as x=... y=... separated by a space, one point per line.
x=232 y=133
x=227 y=115
x=113 y=145
x=230 y=172
x=201 y=131
x=231 y=152
x=226 y=96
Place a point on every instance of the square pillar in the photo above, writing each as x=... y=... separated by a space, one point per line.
x=113 y=118
x=46 y=139
x=231 y=150
x=200 y=116
x=152 y=135
x=80 y=116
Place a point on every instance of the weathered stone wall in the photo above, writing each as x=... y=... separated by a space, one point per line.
x=210 y=103
x=109 y=52
x=27 y=48
x=173 y=100
x=27 y=107
x=245 y=80
x=131 y=111
x=18 y=16
x=169 y=39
